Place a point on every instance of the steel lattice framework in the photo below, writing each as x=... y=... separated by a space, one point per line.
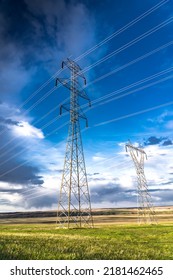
x=146 y=213
x=74 y=206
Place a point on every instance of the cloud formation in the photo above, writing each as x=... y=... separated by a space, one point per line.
x=35 y=36
x=153 y=140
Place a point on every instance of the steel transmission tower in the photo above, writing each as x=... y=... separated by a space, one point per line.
x=74 y=206
x=146 y=213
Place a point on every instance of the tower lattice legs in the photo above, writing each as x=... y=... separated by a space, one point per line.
x=146 y=213
x=74 y=206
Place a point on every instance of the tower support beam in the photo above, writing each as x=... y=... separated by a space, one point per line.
x=146 y=213
x=74 y=206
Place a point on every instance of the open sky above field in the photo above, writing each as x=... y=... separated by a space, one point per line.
x=125 y=49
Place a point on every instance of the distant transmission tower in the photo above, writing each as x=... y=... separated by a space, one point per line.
x=74 y=206
x=146 y=213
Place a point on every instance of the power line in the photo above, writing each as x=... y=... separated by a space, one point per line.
x=102 y=98
x=152 y=9
x=136 y=113
x=74 y=206
x=149 y=32
x=131 y=62
x=122 y=29
x=136 y=90
x=163 y=72
x=34 y=94
x=103 y=123
x=100 y=61
x=103 y=76
x=129 y=44
x=146 y=213
x=161 y=25
x=34 y=195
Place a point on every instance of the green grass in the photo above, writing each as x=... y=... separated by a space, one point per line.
x=105 y=242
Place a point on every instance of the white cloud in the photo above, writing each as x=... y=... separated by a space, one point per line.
x=24 y=129
x=97 y=158
x=111 y=182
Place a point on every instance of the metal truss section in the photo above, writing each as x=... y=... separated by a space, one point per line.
x=67 y=84
x=146 y=213
x=74 y=206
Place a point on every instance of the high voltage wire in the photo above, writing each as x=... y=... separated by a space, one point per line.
x=131 y=62
x=122 y=29
x=139 y=38
x=135 y=90
x=30 y=196
x=34 y=123
x=31 y=96
x=98 y=100
x=110 y=73
x=103 y=123
x=98 y=79
x=136 y=113
x=47 y=93
x=159 y=26
x=101 y=99
x=123 y=67
x=20 y=152
x=98 y=62
x=117 y=91
x=152 y=9
x=151 y=31
x=131 y=85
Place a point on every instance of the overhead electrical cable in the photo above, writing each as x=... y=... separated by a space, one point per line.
x=143 y=15
x=98 y=79
x=107 y=96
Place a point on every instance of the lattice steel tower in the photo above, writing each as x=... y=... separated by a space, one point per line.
x=146 y=213
x=74 y=206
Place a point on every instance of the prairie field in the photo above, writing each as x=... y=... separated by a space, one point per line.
x=39 y=238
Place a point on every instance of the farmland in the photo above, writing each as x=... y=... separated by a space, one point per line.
x=111 y=238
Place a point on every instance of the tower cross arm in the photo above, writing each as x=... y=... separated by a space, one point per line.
x=72 y=65
x=82 y=116
x=83 y=94
x=130 y=146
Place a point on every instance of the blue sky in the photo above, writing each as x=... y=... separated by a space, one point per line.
x=125 y=49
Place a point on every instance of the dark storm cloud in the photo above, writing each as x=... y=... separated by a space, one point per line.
x=24 y=174
x=13 y=168
x=61 y=22
x=36 y=34
x=45 y=200
x=165 y=195
x=112 y=192
x=167 y=143
x=92 y=174
x=153 y=140
x=167 y=183
x=158 y=190
x=34 y=37
x=24 y=191
x=48 y=26
x=9 y=121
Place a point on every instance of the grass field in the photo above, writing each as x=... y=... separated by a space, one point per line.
x=116 y=235
x=45 y=241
